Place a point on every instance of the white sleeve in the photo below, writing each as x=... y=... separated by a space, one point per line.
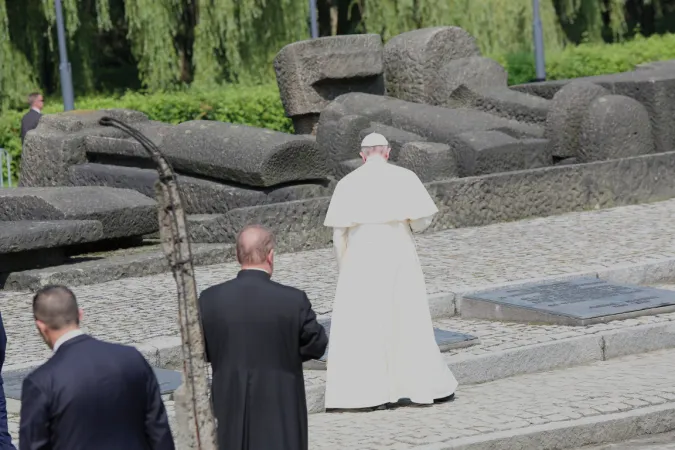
x=419 y=225
x=340 y=244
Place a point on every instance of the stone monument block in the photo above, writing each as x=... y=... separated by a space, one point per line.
x=338 y=133
x=615 y=127
x=222 y=151
x=200 y=196
x=26 y=244
x=312 y=73
x=123 y=212
x=475 y=72
x=498 y=152
x=434 y=123
x=581 y=301
x=413 y=59
x=501 y=102
x=446 y=340
x=57 y=143
x=430 y=161
x=566 y=115
x=396 y=137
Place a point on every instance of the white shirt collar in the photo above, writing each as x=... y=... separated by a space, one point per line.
x=376 y=158
x=66 y=337
x=37 y=110
x=257 y=268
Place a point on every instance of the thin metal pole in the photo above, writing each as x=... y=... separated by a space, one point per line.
x=539 y=61
x=314 y=23
x=2 y=157
x=8 y=157
x=64 y=65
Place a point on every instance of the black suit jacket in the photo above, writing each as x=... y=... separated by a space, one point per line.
x=93 y=395
x=258 y=333
x=29 y=122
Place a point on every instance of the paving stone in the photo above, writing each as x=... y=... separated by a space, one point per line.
x=485 y=406
x=136 y=310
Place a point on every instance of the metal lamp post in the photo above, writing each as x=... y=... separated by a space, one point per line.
x=314 y=25
x=538 y=42
x=64 y=65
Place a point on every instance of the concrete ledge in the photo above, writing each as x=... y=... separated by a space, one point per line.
x=573 y=433
x=115 y=267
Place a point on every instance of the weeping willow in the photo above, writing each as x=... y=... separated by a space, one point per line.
x=499 y=26
x=171 y=43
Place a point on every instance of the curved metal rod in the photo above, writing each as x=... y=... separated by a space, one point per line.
x=176 y=245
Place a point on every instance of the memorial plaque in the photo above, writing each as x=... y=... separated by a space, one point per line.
x=446 y=340
x=169 y=380
x=580 y=301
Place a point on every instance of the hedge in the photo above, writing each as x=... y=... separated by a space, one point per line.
x=261 y=107
x=258 y=106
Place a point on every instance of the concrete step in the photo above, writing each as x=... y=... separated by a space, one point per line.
x=598 y=403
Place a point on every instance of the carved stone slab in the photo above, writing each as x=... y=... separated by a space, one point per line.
x=169 y=380
x=580 y=301
x=446 y=340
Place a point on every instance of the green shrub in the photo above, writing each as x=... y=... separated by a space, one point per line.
x=591 y=59
x=257 y=106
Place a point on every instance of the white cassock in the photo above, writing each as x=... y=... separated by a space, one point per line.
x=382 y=346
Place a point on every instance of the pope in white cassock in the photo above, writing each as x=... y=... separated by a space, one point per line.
x=382 y=345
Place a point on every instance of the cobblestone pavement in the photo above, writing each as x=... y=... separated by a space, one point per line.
x=509 y=404
x=135 y=310
x=515 y=403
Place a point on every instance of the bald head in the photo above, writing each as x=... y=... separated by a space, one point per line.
x=254 y=244
x=56 y=307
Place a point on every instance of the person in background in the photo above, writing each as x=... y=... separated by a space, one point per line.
x=90 y=394
x=257 y=334
x=31 y=119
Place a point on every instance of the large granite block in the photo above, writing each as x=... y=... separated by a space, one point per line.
x=24 y=235
x=231 y=153
x=339 y=132
x=498 y=152
x=200 y=196
x=57 y=143
x=567 y=114
x=501 y=102
x=312 y=73
x=615 y=126
x=474 y=72
x=430 y=161
x=434 y=123
x=581 y=301
x=123 y=212
x=412 y=60
x=654 y=88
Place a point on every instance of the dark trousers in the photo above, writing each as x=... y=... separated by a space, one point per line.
x=5 y=438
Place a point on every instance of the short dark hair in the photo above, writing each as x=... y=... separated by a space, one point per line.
x=56 y=306
x=32 y=97
x=254 y=243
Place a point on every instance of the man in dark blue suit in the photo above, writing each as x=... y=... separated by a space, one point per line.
x=5 y=438
x=90 y=394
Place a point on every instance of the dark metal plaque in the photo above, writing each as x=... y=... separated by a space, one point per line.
x=169 y=380
x=581 y=298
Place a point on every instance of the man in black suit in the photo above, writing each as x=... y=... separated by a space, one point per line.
x=90 y=394
x=258 y=333
x=31 y=119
